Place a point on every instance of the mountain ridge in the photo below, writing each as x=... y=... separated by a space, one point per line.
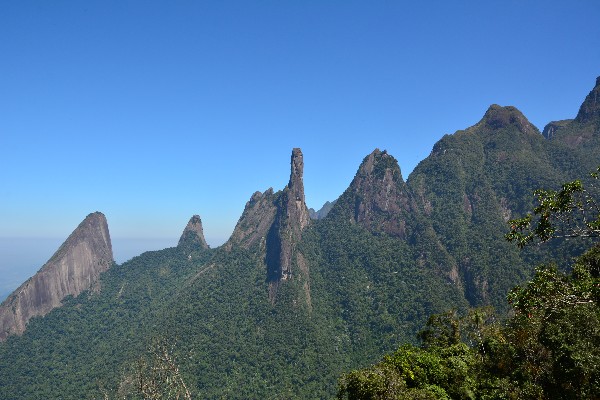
x=288 y=303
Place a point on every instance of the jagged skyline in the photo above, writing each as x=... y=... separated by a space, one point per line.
x=153 y=113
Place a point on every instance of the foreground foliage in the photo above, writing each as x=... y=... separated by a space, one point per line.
x=571 y=211
x=549 y=349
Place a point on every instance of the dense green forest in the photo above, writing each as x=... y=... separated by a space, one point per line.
x=547 y=349
x=391 y=257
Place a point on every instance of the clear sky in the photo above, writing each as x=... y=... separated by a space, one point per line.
x=152 y=111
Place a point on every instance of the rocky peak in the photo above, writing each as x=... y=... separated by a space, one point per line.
x=256 y=220
x=323 y=211
x=378 y=163
x=377 y=198
x=498 y=117
x=297 y=171
x=295 y=188
x=292 y=217
x=193 y=234
x=590 y=109
x=275 y=221
x=553 y=127
x=74 y=267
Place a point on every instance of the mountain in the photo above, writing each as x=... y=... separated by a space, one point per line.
x=472 y=183
x=577 y=141
x=275 y=221
x=289 y=303
x=75 y=267
x=193 y=235
x=377 y=198
x=323 y=211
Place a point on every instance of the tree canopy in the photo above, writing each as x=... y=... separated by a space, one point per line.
x=548 y=349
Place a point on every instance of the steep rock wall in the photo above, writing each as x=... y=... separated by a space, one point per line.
x=74 y=267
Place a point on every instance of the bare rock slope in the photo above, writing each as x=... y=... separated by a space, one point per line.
x=275 y=222
x=193 y=234
x=74 y=267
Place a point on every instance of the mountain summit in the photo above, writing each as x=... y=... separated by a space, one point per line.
x=275 y=222
x=583 y=132
x=293 y=216
x=498 y=117
x=193 y=234
x=377 y=198
x=74 y=267
x=590 y=109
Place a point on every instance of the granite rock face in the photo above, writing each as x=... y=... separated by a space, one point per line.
x=256 y=220
x=74 y=267
x=292 y=216
x=551 y=128
x=378 y=198
x=193 y=235
x=590 y=109
x=275 y=222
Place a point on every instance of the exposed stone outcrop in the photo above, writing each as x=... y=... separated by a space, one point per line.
x=256 y=220
x=590 y=109
x=74 y=267
x=553 y=127
x=276 y=221
x=583 y=131
x=292 y=216
x=193 y=235
x=377 y=198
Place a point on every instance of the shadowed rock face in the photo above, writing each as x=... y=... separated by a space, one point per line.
x=291 y=218
x=275 y=221
x=551 y=128
x=193 y=234
x=74 y=267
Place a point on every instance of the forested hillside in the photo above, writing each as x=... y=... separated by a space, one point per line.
x=289 y=304
x=546 y=349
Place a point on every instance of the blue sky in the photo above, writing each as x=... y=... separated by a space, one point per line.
x=152 y=111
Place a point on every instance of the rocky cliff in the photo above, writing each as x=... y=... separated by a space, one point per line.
x=584 y=130
x=193 y=235
x=275 y=221
x=256 y=220
x=377 y=198
x=74 y=267
x=590 y=109
x=292 y=216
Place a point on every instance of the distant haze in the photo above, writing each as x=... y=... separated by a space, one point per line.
x=21 y=258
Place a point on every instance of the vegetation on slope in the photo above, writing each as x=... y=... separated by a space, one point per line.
x=548 y=349
x=363 y=281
